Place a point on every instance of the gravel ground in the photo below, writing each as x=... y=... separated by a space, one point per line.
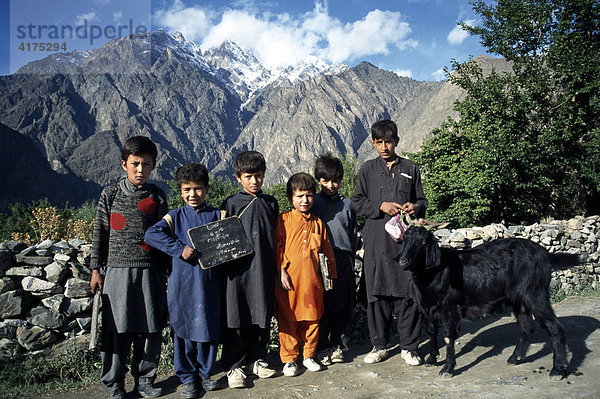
x=481 y=371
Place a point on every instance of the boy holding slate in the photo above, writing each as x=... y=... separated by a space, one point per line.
x=250 y=281
x=194 y=294
x=299 y=238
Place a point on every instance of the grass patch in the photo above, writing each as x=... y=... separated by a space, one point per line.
x=25 y=376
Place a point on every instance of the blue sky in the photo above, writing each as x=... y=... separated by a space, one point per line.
x=415 y=38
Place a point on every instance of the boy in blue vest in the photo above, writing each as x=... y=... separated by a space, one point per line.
x=128 y=273
x=194 y=294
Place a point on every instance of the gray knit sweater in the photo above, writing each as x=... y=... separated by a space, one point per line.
x=122 y=218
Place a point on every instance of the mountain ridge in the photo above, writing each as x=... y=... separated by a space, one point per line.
x=162 y=86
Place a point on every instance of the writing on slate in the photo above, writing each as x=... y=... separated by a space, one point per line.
x=220 y=242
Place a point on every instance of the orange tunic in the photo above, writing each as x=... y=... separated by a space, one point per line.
x=298 y=240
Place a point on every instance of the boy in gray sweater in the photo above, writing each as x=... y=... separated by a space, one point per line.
x=127 y=272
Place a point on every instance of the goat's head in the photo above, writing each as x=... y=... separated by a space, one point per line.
x=419 y=249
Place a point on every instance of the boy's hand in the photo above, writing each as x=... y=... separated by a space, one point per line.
x=188 y=253
x=410 y=208
x=286 y=281
x=391 y=208
x=96 y=281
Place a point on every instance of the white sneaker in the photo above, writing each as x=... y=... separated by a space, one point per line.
x=325 y=357
x=411 y=357
x=311 y=364
x=290 y=369
x=337 y=355
x=236 y=378
x=376 y=355
x=262 y=369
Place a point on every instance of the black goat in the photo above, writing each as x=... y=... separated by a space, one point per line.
x=450 y=283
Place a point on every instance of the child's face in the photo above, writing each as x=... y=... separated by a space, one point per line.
x=329 y=187
x=302 y=200
x=193 y=193
x=138 y=168
x=252 y=182
x=386 y=148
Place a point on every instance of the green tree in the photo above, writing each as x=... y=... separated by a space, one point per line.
x=527 y=142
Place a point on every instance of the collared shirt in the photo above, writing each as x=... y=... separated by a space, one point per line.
x=299 y=238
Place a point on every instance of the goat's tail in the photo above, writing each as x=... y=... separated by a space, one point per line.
x=564 y=260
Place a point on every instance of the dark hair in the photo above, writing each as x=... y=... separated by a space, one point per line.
x=328 y=167
x=139 y=145
x=385 y=129
x=249 y=162
x=189 y=172
x=300 y=181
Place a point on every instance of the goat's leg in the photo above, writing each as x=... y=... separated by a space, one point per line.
x=549 y=321
x=526 y=327
x=434 y=353
x=452 y=330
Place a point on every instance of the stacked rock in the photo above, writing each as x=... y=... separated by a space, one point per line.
x=45 y=294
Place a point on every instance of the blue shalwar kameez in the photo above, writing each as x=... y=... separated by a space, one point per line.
x=193 y=296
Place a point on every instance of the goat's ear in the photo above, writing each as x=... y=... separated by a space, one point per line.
x=433 y=255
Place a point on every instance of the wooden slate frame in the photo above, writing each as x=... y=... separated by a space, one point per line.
x=220 y=242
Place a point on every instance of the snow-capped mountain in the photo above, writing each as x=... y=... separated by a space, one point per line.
x=235 y=67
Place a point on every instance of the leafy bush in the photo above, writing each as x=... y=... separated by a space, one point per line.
x=40 y=220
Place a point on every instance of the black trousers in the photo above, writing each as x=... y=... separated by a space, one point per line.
x=379 y=317
x=335 y=326
x=243 y=346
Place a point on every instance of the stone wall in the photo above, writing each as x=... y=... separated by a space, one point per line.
x=45 y=295
x=46 y=301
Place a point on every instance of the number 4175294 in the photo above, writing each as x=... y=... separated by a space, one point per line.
x=49 y=47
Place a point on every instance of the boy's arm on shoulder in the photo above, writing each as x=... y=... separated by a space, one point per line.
x=163 y=205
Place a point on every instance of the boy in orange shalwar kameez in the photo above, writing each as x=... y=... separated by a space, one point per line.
x=299 y=237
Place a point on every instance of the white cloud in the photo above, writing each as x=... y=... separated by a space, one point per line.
x=404 y=72
x=280 y=40
x=89 y=17
x=193 y=22
x=458 y=34
x=117 y=15
x=371 y=35
x=439 y=74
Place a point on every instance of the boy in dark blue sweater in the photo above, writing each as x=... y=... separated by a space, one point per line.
x=336 y=212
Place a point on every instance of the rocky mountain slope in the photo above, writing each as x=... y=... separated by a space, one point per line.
x=205 y=106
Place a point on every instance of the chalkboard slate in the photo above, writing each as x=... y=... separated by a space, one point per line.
x=220 y=242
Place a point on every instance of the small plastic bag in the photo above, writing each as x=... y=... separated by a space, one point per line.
x=397 y=226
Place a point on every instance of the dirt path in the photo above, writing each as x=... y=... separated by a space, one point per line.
x=481 y=372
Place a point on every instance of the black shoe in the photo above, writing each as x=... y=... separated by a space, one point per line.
x=190 y=390
x=148 y=391
x=118 y=393
x=210 y=385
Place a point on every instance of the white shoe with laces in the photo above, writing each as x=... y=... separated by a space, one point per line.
x=411 y=357
x=311 y=365
x=261 y=369
x=376 y=355
x=290 y=369
x=236 y=378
